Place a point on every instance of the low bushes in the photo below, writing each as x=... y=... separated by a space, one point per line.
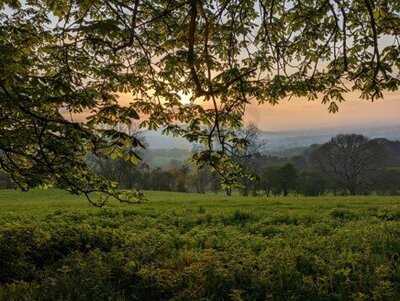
x=202 y=254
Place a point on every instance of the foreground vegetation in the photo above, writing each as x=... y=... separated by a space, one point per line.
x=176 y=246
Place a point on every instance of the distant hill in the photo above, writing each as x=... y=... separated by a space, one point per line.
x=165 y=157
x=295 y=141
x=156 y=140
x=282 y=143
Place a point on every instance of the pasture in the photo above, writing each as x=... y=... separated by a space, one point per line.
x=178 y=246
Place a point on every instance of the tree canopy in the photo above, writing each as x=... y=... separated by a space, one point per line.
x=189 y=67
x=351 y=160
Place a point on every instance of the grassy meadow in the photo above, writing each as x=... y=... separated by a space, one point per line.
x=178 y=246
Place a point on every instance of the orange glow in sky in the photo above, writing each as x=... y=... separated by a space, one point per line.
x=299 y=114
x=302 y=114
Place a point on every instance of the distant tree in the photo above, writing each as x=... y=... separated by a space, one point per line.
x=215 y=184
x=201 y=179
x=269 y=179
x=162 y=180
x=388 y=182
x=288 y=178
x=181 y=178
x=245 y=152
x=279 y=179
x=350 y=160
x=312 y=183
x=299 y=161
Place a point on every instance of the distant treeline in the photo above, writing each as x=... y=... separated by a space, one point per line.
x=346 y=165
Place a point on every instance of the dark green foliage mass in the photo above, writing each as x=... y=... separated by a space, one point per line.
x=352 y=161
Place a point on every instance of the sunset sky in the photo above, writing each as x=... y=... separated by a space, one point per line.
x=298 y=114
x=301 y=115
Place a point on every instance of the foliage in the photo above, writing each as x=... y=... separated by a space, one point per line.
x=351 y=161
x=179 y=246
x=190 y=67
x=280 y=179
x=388 y=182
x=312 y=183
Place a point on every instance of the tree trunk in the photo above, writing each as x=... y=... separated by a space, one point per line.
x=285 y=192
x=267 y=191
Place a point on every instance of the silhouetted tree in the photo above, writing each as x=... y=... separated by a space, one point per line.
x=268 y=179
x=312 y=183
x=388 y=182
x=279 y=179
x=350 y=160
x=288 y=178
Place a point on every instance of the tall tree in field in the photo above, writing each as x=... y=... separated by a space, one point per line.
x=188 y=66
x=351 y=160
x=288 y=178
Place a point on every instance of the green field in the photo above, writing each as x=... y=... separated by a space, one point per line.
x=176 y=246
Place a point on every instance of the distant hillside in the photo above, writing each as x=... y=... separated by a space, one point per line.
x=165 y=157
x=295 y=141
x=279 y=143
x=156 y=140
